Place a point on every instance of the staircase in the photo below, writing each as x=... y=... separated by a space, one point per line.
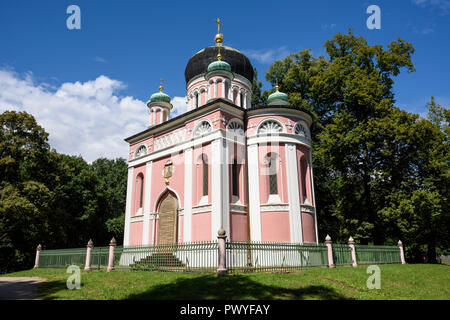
x=159 y=261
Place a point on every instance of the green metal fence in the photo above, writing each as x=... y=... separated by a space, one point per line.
x=372 y=254
x=62 y=258
x=187 y=257
x=203 y=256
x=342 y=254
x=273 y=256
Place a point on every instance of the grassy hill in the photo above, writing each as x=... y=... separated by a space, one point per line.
x=417 y=281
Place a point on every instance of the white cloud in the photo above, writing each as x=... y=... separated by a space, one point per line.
x=267 y=56
x=100 y=59
x=442 y=5
x=179 y=106
x=83 y=118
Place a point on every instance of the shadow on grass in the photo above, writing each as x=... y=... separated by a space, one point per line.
x=49 y=290
x=232 y=287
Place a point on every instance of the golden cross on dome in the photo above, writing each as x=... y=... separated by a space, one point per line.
x=161 y=86
x=218 y=24
x=276 y=86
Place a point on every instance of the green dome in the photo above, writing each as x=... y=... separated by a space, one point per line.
x=277 y=95
x=160 y=97
x=219 y=65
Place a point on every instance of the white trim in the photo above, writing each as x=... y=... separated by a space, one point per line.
x=283 y=127
x=313 y=197
x=147 y=197
x=202 y=209
x=293 y=194
x=253 y=190
x=188 y=170
x=238 y=208
x=274 y=207
x=161 y=194
x=280 y=137
x=126 y=236
x=219 y=181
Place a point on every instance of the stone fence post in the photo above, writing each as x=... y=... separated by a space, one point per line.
x=402 y=253
x=222 y=252
x=89 y=247
x=112 y=245
x=351 y=244
x=328 y=243
x=36 y=261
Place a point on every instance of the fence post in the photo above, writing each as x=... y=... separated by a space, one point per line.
x=222 y=252
x=112 y=245
x=89 y=247
x=402 y=254
x=351 y=244
x=328 y=243
x=36 y=261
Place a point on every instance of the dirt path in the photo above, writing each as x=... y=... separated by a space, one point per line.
x=19 y=288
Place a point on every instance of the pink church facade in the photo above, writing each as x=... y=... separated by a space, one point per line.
x=223 y=164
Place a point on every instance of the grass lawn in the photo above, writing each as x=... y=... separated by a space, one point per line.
x=411 y=282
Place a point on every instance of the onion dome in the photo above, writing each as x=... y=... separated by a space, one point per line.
x=160 y=96
x=278 y=97
x=219 y=64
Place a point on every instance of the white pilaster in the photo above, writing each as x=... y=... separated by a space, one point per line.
x=219 y=183
x=253 y=193
x=126 y=236
x=295 y=220
x=147 y=197
x=187 y=226
x=313 y=197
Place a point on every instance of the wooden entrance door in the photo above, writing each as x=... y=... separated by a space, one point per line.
x=168 y=217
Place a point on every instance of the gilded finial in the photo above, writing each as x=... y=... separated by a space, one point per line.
x=219 y=37
x=219 y=56
x=276 y=85
x=161 y=86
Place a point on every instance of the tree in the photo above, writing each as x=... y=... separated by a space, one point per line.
x=368 y=156
x=256 y=90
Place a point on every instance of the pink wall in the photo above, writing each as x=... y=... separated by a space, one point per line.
x=275 y=226
x=134 y=206
x=136 y=233
x=176 y=182
x=309 y=230
x=263 y=150
x=201 y=227
x=197 y=175
x=239 y=227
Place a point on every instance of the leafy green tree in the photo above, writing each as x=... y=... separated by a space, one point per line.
x=256 y=90
x=370 y=157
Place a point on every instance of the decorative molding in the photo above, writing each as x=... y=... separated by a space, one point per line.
x=140 y=151
x=270 y=125
x=274 y=207
x=202 y=128
x=170 y=139
x=138 y=218
x=202 y=209
x=238 y=208
x=307 y=208
x=301 y=129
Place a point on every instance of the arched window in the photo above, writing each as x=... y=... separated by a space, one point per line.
x=272 y=179
x=241 y=95
x=196 y=100
x=139 y=191
x=205 y=174
x=226 y=89
x=303 y=173
x=235 y=178
x=141 y=151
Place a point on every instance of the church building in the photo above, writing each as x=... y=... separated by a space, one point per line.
x=223 y=164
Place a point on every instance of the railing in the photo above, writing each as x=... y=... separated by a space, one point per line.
x=62 y=258
x=273 y=256
x=342 y=254
x=204 y=256
x=371 y=254
x=188 y=257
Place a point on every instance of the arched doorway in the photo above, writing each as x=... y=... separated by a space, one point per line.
x=168 y=220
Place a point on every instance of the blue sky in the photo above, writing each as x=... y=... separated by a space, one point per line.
x=73 y=79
